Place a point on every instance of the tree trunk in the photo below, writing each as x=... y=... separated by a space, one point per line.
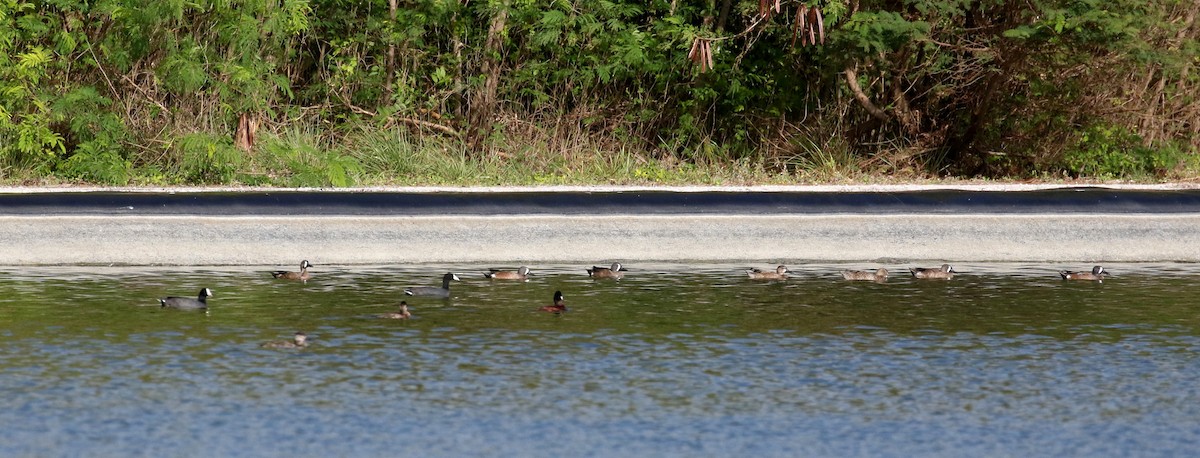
x=1153 y=123
x=480 y=118
x=910 y=120
x=247 y=127
x=391 y=54
x=724 y=17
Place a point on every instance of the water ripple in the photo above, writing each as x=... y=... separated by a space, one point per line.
x=692 y=361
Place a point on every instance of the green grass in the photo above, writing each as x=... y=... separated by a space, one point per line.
x=310 y=157
x=393 y=158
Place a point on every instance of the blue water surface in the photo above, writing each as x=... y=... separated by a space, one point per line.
x=673 y=360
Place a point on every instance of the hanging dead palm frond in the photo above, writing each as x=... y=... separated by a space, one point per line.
x=809 y=26
x=701 y=54
x=765 y=7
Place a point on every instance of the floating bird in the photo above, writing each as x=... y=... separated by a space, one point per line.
x=187 y=303
x=401 y=315
x=433 y=291
x=944 y=273
x=558 y=306
x=780 y=273
x=299 y=340
x=865 y=275
x=522 y=273
x=302 y=275
x=613 y=272
x=1098 y=273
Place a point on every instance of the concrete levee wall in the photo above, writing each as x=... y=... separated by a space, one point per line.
x=252 y=240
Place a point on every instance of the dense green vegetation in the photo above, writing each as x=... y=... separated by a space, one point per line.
x=344 y=92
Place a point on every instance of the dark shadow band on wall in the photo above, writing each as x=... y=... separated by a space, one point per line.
x=368 y=203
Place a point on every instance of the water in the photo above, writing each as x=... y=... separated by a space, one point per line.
x=674 y=360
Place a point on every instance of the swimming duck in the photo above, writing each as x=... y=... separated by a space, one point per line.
x=1098 y=273
x=613 y=272
x=433 y=291
x=944 y=273
x=865 y=275
x=403 y=314
x=780 y=273
x=187 y=303
x=558 y=306
x=299 y=340
x=522 y=273
x=302 y=275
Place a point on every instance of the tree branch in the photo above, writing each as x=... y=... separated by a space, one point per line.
x=852 y=81
x=415 y=122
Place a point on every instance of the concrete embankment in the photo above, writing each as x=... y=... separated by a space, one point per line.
x=252 y=227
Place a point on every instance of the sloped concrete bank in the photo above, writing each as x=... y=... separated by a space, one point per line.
x=254 y=227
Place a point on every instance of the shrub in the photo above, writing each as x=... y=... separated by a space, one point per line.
x=1108 y=152
x=208 y=158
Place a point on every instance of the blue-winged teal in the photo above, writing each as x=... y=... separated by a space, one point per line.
x=522 y=273
x=865 y=275
x=302 y=275
x=943 y=273
x=187 y=303
x=780 y=273
x=403 y=314
x=607 y=272
x=433 y=291
x=299 y=340
x=558 y=306
x=1097 y=274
